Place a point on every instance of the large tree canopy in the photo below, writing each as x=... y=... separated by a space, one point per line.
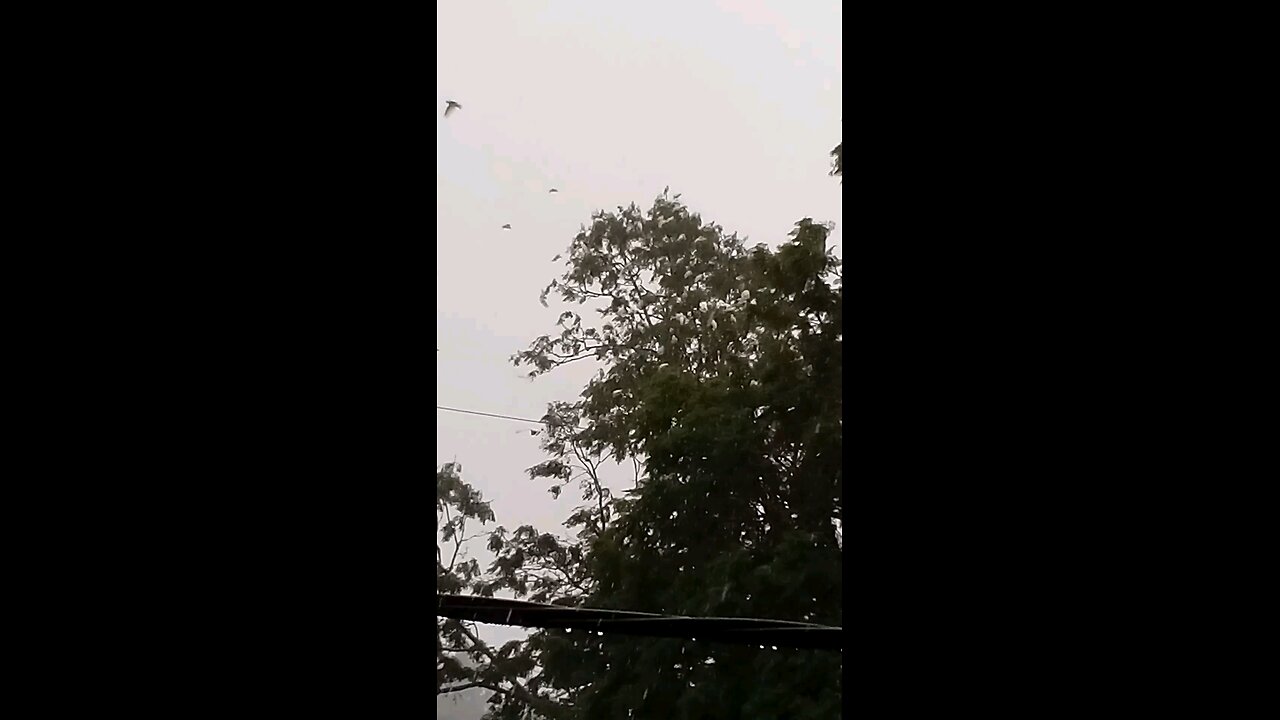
x=722 y=372
x=720 y=389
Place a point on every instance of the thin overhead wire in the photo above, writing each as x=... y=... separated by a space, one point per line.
x=492 y=415
x=496 y=415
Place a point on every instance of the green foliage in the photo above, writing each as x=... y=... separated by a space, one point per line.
x=722 y=387
x=463 y=660
x=722 y=374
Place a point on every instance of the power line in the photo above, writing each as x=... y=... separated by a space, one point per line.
x=497 y=415
x=748 y=631
x=492 y=415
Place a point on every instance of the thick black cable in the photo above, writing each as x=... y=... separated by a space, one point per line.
x=749 y=631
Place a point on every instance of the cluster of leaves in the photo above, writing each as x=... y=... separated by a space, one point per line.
x=464 y=660
x=722 y=388
x=723 y=373
x=530 y=564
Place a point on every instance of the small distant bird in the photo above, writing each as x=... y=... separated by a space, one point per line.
x=450 y=106
x=507 y=226
x=553 y=190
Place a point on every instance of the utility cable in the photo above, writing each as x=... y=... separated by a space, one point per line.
x=749 y=631
x=496 y=415
x=492 y=415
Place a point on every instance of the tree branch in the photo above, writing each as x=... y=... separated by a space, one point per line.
x=595 y=481
x=459 y=688
x=518 y=690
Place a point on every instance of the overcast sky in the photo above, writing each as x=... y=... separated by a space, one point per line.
x=736 y=104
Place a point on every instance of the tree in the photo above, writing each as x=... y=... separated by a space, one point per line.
x=542 y=567
x=722 y=372
x=463 y=660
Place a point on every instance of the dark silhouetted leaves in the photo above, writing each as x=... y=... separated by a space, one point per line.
x=722 y=374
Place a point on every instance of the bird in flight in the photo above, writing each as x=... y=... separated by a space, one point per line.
x=507 y=226
x=553 y=190
x=450 y=106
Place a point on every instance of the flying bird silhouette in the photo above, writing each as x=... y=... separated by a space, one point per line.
x=507 y=226
x=553 y=190
x=450 y=106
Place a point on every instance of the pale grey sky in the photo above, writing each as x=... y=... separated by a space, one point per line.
x=734 y=104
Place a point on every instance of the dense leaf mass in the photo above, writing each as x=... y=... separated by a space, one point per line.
x=722 y=372
x=721 y=389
